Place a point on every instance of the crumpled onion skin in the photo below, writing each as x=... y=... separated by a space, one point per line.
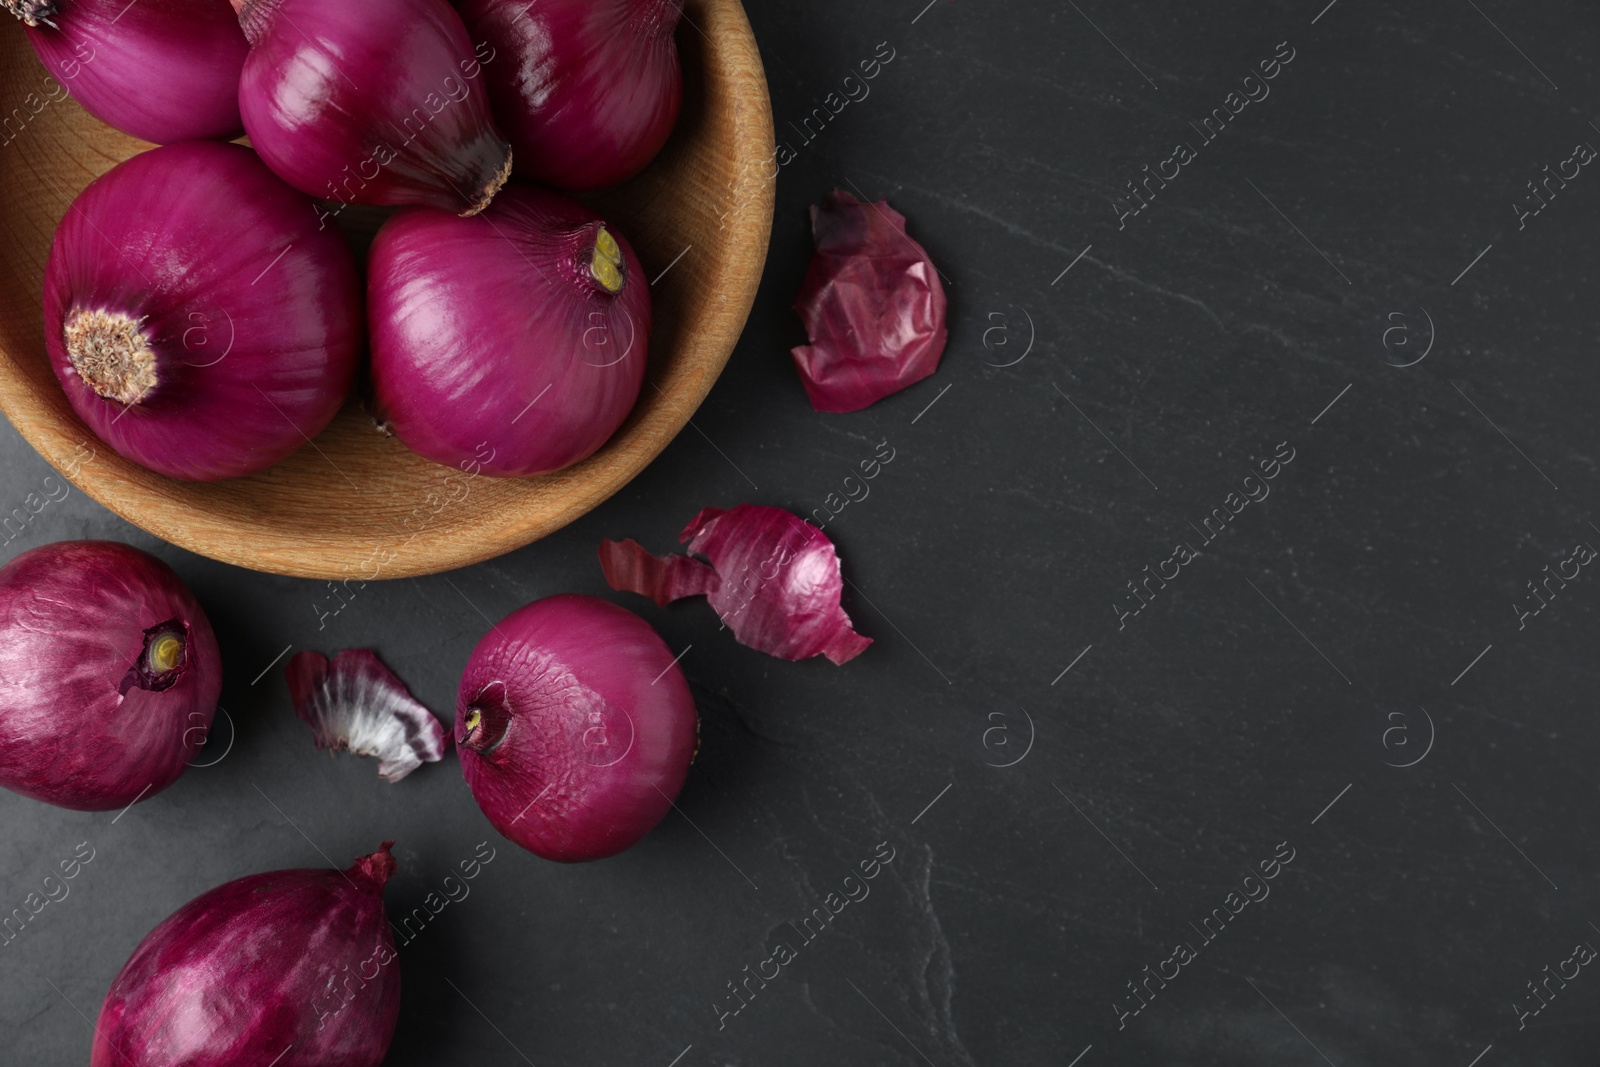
x=587 y=90
x=872 y=304
x=371 y=102
x=575 y=727
x=159 y=70
x=774 y=580
x=356 y=704
x=630 y=568
x=493 y=346
x=254 y=314
x=288 y=968
x=73 y=619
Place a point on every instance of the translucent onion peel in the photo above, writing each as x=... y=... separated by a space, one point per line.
x=773 y=578
x=872 y=305
x=356 y=704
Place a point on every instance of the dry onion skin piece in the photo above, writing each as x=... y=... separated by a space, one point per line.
x=631 y=568
x=356 y=704
x=773 y=579
x=872 y=304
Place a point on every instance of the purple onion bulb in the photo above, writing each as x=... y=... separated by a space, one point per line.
x=159 y=70
x=372 y=102
x=587 y=90
x=109 y=675
x=201 y=320
x=575 y=727
x=288 y=969
x=513 y=344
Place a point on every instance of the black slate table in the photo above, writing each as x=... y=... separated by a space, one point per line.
x=1319 y=788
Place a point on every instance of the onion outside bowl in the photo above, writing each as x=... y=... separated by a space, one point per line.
x=353 y=503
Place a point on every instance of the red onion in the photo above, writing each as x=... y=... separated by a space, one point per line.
x=200 y=321
x=575 y=727
x=774 y=580
x=159 y=70
x=588 y=90
x=872 y=305
x=109 y=675
x=288 y=968
x=371 y=102
x=522 y=333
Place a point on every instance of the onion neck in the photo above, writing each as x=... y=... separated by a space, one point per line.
x=376 y=869
x=484 y=724
x=255 y=17
x=162 y=661
x=111 y=353
x=32 y=12
x=496 y=182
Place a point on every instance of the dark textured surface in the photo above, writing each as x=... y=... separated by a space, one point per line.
x=1187 y=743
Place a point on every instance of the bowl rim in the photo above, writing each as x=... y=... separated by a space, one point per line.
x=147 y=500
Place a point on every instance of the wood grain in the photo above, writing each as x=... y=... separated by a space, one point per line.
x=354 y=504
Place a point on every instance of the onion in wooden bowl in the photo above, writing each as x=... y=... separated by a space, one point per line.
x=355 y=504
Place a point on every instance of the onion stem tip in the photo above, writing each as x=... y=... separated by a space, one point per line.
x=166 y=652
x=31 y=12
x=606 y=263
x=494 y=185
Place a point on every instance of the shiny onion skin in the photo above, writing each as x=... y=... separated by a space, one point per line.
x=199 y=320
x=371 y=102
x=159 y=70
x=774 y=579
x=288 y=969
x=872 y=304
x=575 y=727
x=587 y=90
x=109 y=675
x=514 y=343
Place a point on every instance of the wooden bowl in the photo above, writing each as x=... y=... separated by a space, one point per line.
x=358 y=505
